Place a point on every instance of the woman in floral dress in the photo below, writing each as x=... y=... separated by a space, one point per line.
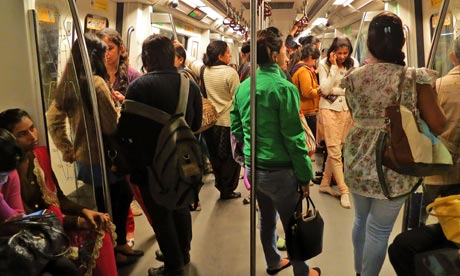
x=369 y=90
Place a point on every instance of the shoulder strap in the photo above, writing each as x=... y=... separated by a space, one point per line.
x=401 y=82
x=155 y=114
x=202 y=85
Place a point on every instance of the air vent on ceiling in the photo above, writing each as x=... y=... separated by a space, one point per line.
x=274 y=5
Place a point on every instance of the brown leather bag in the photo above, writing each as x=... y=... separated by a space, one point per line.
x=395 y=150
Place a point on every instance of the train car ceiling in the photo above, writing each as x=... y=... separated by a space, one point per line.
x=341 y=15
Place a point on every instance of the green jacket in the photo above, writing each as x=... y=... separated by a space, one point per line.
x=280 y=141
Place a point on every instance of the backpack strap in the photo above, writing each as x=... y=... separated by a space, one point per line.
x=183 y=95
x=156 y=114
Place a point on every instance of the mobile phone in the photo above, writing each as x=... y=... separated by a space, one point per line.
x=37 y=213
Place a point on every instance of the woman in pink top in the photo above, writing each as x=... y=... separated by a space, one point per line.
x=10 y=187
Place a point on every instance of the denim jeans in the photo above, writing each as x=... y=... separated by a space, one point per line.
x=276 y=194
x=374 y=221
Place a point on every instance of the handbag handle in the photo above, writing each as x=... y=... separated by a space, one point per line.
x=298 y=208
x=439 y=201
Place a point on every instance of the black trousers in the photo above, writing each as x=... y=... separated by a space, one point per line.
x=311 y=122
x=173 y=230
x=226 y=170
x=407 y=244
x=120 y=198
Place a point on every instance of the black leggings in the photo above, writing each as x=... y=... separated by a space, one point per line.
x=120 y=198
x=226 y=170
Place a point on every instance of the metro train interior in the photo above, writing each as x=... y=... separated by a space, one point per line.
x=37 y=40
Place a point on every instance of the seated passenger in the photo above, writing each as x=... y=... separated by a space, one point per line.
x=89 y=231
x=11 y=206
x=10 y=190
x=408 y=244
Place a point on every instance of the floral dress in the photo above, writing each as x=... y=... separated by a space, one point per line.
x=369 y=90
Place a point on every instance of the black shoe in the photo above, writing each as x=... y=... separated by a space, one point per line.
x=317 y=180
x=231 y=195
x=161 y=258
x=127 y=260
x=247 y=200
x=159 y=255
x=135 y=253
x=161 y=271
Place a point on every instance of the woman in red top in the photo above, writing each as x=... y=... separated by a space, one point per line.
x=89 y=231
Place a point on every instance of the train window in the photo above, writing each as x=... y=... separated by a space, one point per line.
x=442 y=62
x=95 y=23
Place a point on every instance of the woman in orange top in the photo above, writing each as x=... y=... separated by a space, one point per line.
x=304 y=77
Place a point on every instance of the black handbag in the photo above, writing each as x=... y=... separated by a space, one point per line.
x=27 y=244
x=304 y=238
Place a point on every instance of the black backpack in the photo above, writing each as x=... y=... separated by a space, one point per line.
x=175 y=175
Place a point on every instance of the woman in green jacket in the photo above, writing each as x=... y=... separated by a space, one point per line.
x=282 y=162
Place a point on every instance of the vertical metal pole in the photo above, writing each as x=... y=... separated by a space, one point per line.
x=253 y=54
x=408 y=48
x=437 y=33
x=173 y=26
x=97 y=122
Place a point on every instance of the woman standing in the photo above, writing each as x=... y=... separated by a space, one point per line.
x=76 y=147
x=160 y=88
x=116 y=63
x=334 y=118
x=369 y=90
x=304 y=78
x=120 y=76
x=283 y=166
x=221 y=82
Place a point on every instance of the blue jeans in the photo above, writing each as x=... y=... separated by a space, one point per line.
x=374 y=221
x=276 y=194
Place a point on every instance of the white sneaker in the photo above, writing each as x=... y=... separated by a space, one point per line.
x=329 y=190
x=345 y=201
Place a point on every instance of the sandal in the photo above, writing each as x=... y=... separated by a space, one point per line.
x=284 y=264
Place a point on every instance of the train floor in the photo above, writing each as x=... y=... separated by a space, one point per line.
x=221 y=238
